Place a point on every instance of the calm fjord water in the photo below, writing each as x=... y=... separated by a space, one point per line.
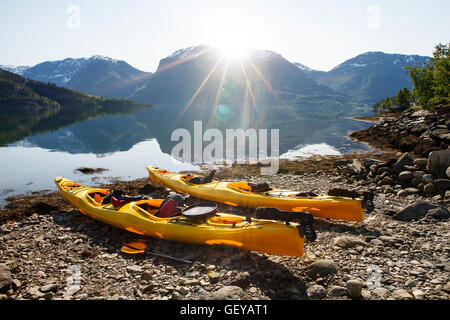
x=125 y=144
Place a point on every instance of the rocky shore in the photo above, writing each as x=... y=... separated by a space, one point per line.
x=416 y=131
x=400 y=251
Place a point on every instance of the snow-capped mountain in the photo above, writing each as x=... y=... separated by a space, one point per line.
x=375 y=59
x=370 y=76
x=57 y=72
x=302 y=66
x=205 y=76
x=97 y=75
x=15 y=69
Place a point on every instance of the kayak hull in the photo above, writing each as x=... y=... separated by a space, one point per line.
x=259 y=235
x=325 y=206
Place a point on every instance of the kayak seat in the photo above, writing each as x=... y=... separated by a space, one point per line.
x=98 y=196
x=153 y=207
x=149 y=208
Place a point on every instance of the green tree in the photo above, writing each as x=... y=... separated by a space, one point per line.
x=431 y=79
x=441 y=74
x=403 y=97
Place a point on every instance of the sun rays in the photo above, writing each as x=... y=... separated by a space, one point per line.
x=230 y=63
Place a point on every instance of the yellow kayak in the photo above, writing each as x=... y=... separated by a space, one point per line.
x=262 y=235
x=240 y=194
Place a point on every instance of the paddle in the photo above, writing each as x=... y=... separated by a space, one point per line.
x=134 y=248
x=140 y=248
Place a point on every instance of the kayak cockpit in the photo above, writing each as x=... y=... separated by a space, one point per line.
x=148 y=209
x=96 y=196
x=70 y=185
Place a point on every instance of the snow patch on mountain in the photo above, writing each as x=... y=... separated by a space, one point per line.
x=15 y=69
x=302 y=66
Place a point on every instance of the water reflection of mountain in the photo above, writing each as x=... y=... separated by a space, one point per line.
x=121 y=132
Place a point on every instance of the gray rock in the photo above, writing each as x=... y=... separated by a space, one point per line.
x=415 y=211
x=418 y=175
x=146 y=276
x=427 y=178
x=438 y=162
x=439 y=213
x=349 y=242
x=401 y=294
x=134 y=269
x=49 y=287
x=213 y=276
x=412 y=190
x=354 y=168
x=380 y=293
x=442 y=184
x=402 y=193
x=447 y=172
x=403 y=161
x=5 y=277
x=420 y=162
x=411 y=283
x=406 y=176
x=447 y=195
x=386 y=181
x=354 y=288
x=242 y=280
x=368 y=162
x=382 y=170
x=322 y=268
x=337 y=291
x=228 y=293
x=446 y=287
x=316 y=292
x=16 y=284
x=418 y=294
x=429 y=188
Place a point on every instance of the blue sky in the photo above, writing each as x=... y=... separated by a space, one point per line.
x=320 y=34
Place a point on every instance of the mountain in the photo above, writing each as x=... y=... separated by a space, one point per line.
x=370 y=76
x=98 y=75
x=15 y=69
x=260 y=89
x=29 y=106
x=202 y=78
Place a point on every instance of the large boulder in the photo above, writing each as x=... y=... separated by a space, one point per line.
x=404 y=160
x=415 y=211
x=438 y=162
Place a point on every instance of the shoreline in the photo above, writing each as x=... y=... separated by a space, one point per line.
x=376 y=259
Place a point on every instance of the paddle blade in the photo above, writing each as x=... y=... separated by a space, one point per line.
x=134 y=248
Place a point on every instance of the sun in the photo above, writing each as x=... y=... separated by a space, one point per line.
x=233 y=51
x=232 y=42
